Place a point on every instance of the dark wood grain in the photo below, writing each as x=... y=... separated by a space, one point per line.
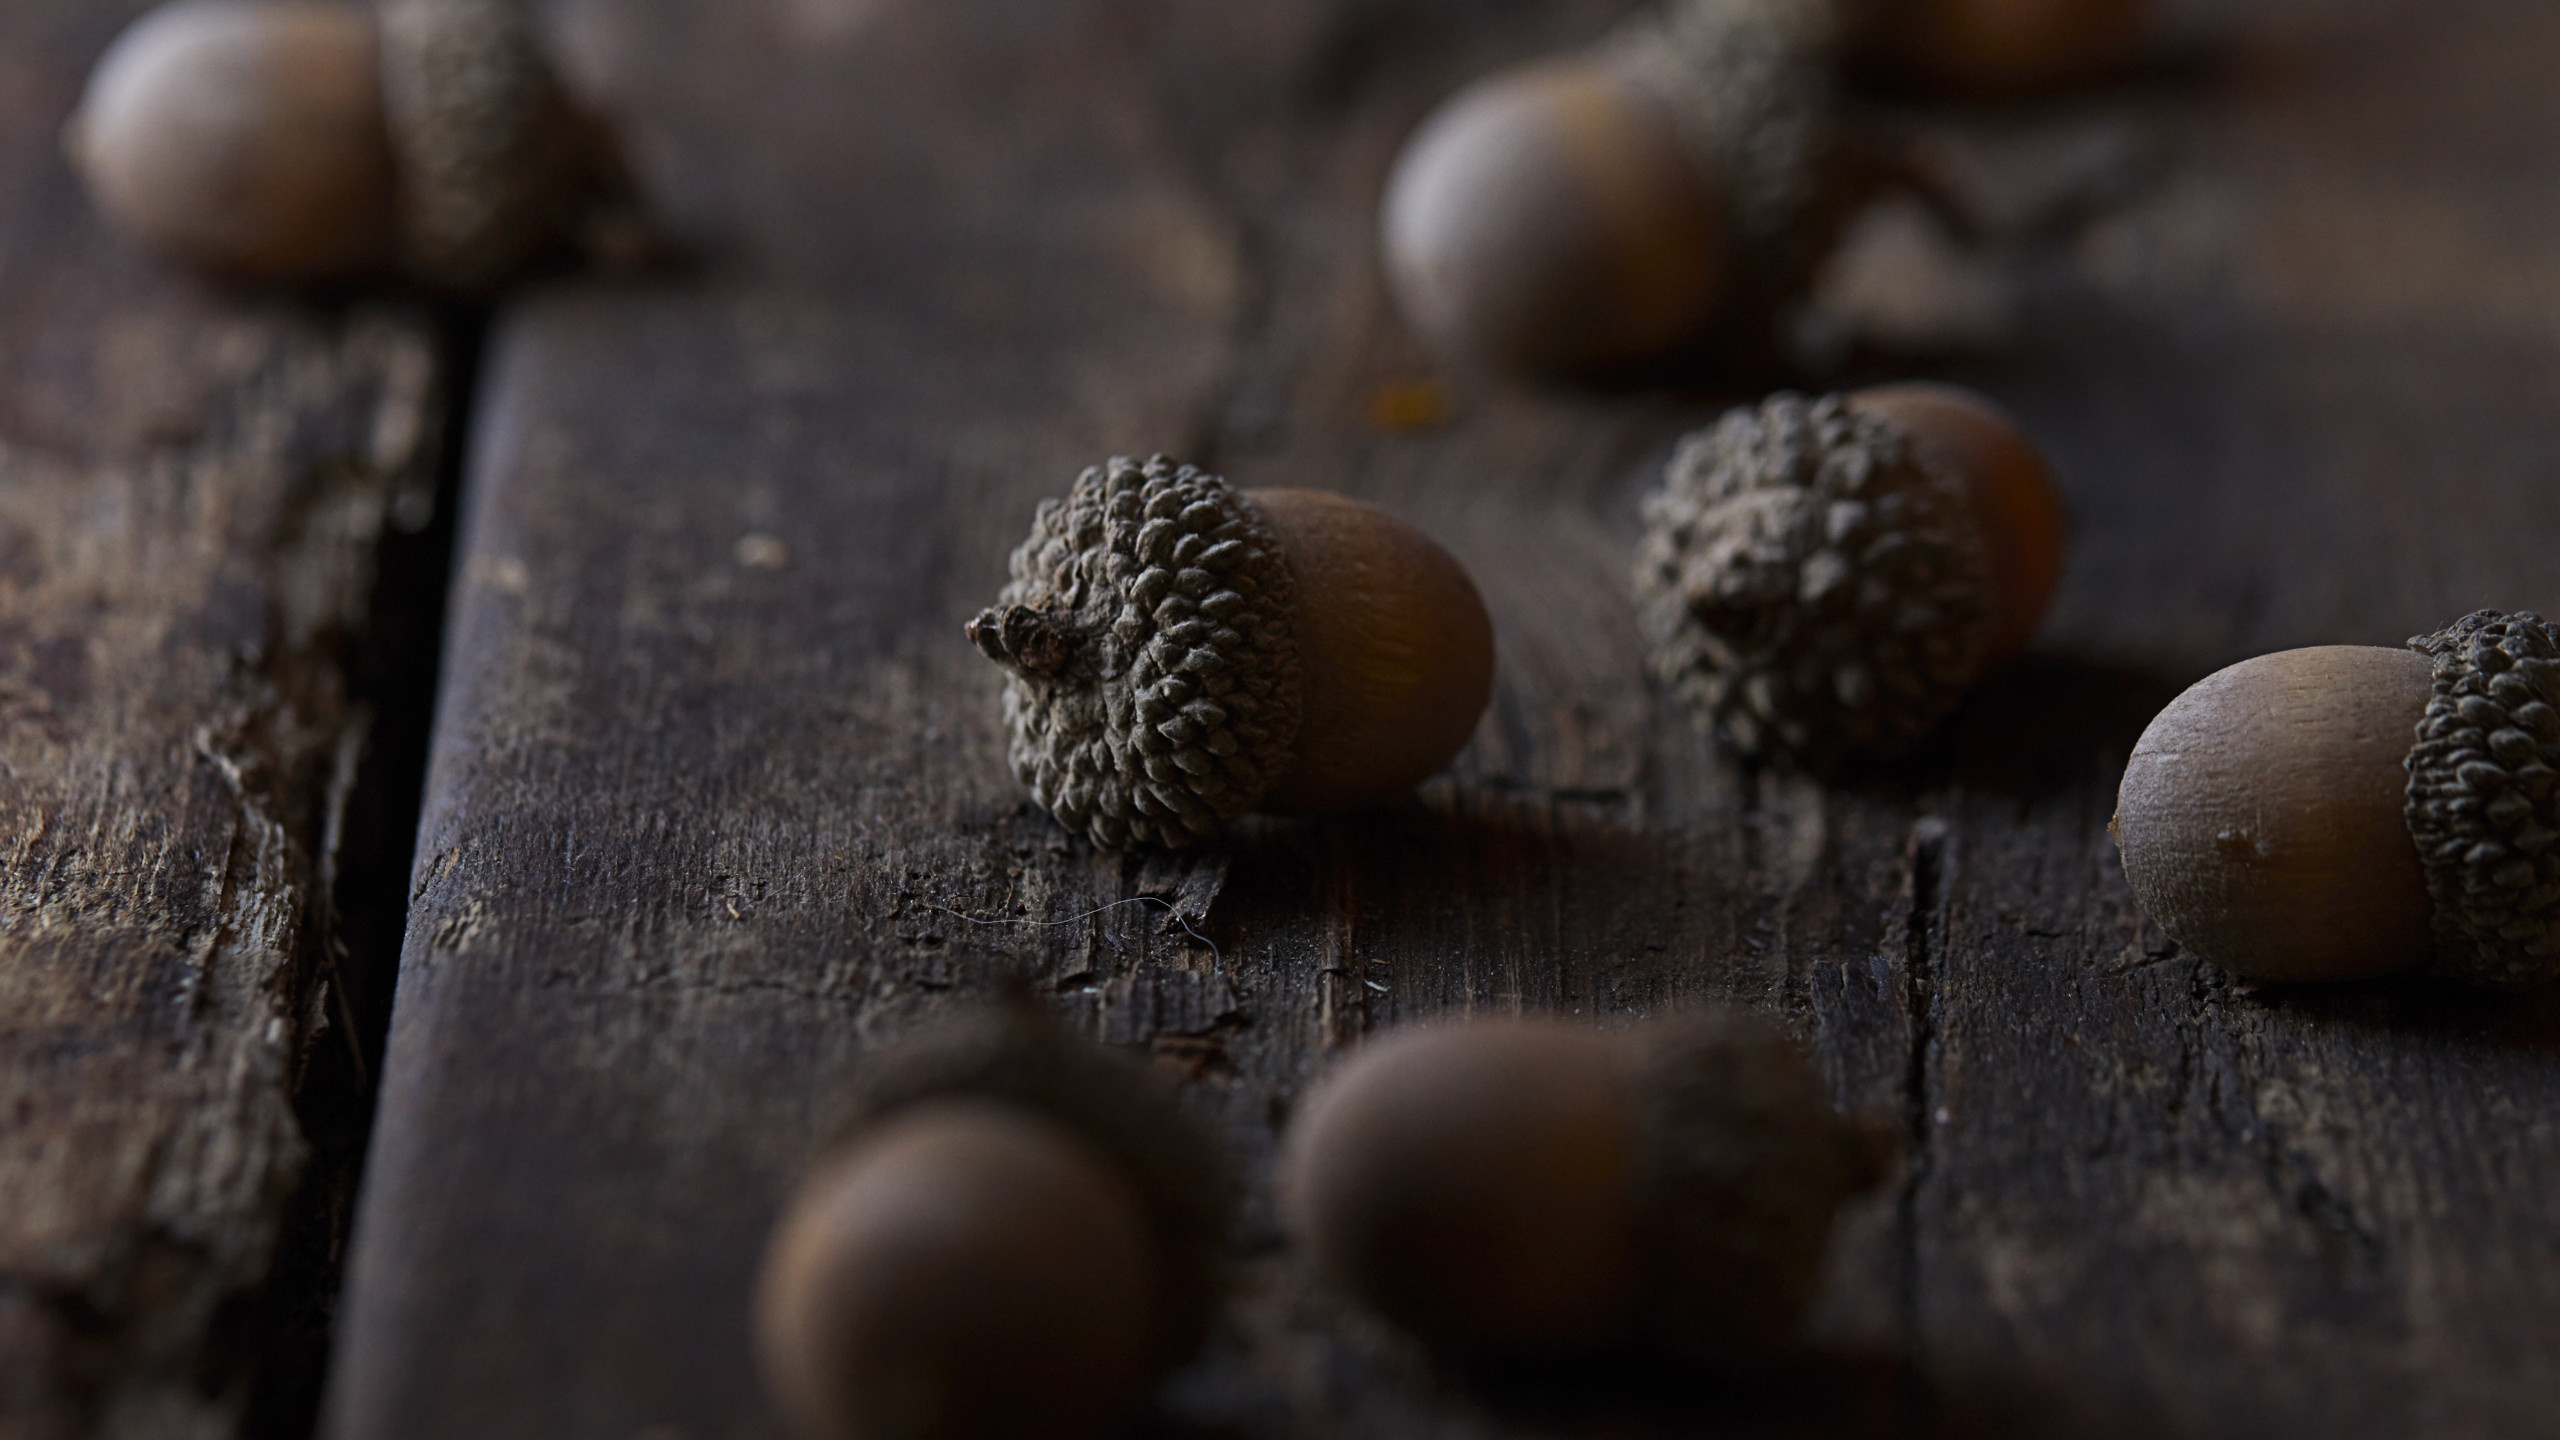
x=718 y=801
x=195 y=489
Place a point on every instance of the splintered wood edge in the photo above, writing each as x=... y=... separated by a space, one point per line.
x=195 y=489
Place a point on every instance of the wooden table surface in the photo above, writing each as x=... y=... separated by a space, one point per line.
x=712 y=784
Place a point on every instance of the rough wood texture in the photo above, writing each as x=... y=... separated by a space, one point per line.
x=193 y=488
x=718 y=800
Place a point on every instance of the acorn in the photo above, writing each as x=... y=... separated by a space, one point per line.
x=1996 y=47
x=1529 y=1189
x=2347 y=811
x=305 y=141
x=1824 y=579
x=1011 y=1234
x=1178 y=651
x=1596 y=213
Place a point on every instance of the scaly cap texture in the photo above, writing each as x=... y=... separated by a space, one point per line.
x=1744 y=1164
x=1019 y=1055
x=1150 y=653
x=2484 y=798
x=494 y=162
x=1809 y=585
x=1743 y=84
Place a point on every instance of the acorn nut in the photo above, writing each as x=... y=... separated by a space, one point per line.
x=1825 y=579
x=1178 y=651
x=2347 y=811
x=310 y=141
x=1597 y=212
x=1517 y=1189
x=1014 y=1235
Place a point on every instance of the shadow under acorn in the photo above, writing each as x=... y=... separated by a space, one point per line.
x=2029 y=731
x=2032 y=729
x=1833 y=1393
x=2412 y=1007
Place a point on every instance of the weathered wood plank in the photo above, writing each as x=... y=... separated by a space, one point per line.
x=193 y=491
x=718 y=802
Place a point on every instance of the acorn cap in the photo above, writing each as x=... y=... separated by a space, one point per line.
x=2484 y=798
x=1753 y=106
x=1152 y=680
x=1016 y=1054
x=494 y=162
x=1810 y=583
x=1743 y=1164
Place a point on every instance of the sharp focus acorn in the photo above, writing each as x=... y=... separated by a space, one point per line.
x=2348 y=811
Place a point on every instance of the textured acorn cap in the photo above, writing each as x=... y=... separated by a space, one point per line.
x=1810 y=585
x=2484 y=798
x=495 y=163
x=1744 y=1164
x=1152 y=680
x=1017 y=1055
x=1748 y=89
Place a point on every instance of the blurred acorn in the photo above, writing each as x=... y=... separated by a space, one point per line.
x=1600 y=211
x=1825 y=579
x=308 y=141
x=1012 y=1234
x=1531 y=1189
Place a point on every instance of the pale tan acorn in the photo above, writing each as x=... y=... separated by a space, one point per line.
x=1825 y=579
x=1532 y=1189
x=311 y=141
x=1597 y=212
x=1179 y=651
x=2347 y=811
x=1011 y=1236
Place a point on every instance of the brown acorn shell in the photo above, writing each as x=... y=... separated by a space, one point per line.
x=1018 y=1055
x=1534 y=1188
x=965 y=1270
x=1549 y=221
x=1395 y=652
x=2015 y=499
x=1601 y=211
x=1475 y=1184
x=2261 y=817
x=244 y=137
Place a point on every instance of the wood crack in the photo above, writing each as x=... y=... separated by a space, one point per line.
x=1927 y=864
